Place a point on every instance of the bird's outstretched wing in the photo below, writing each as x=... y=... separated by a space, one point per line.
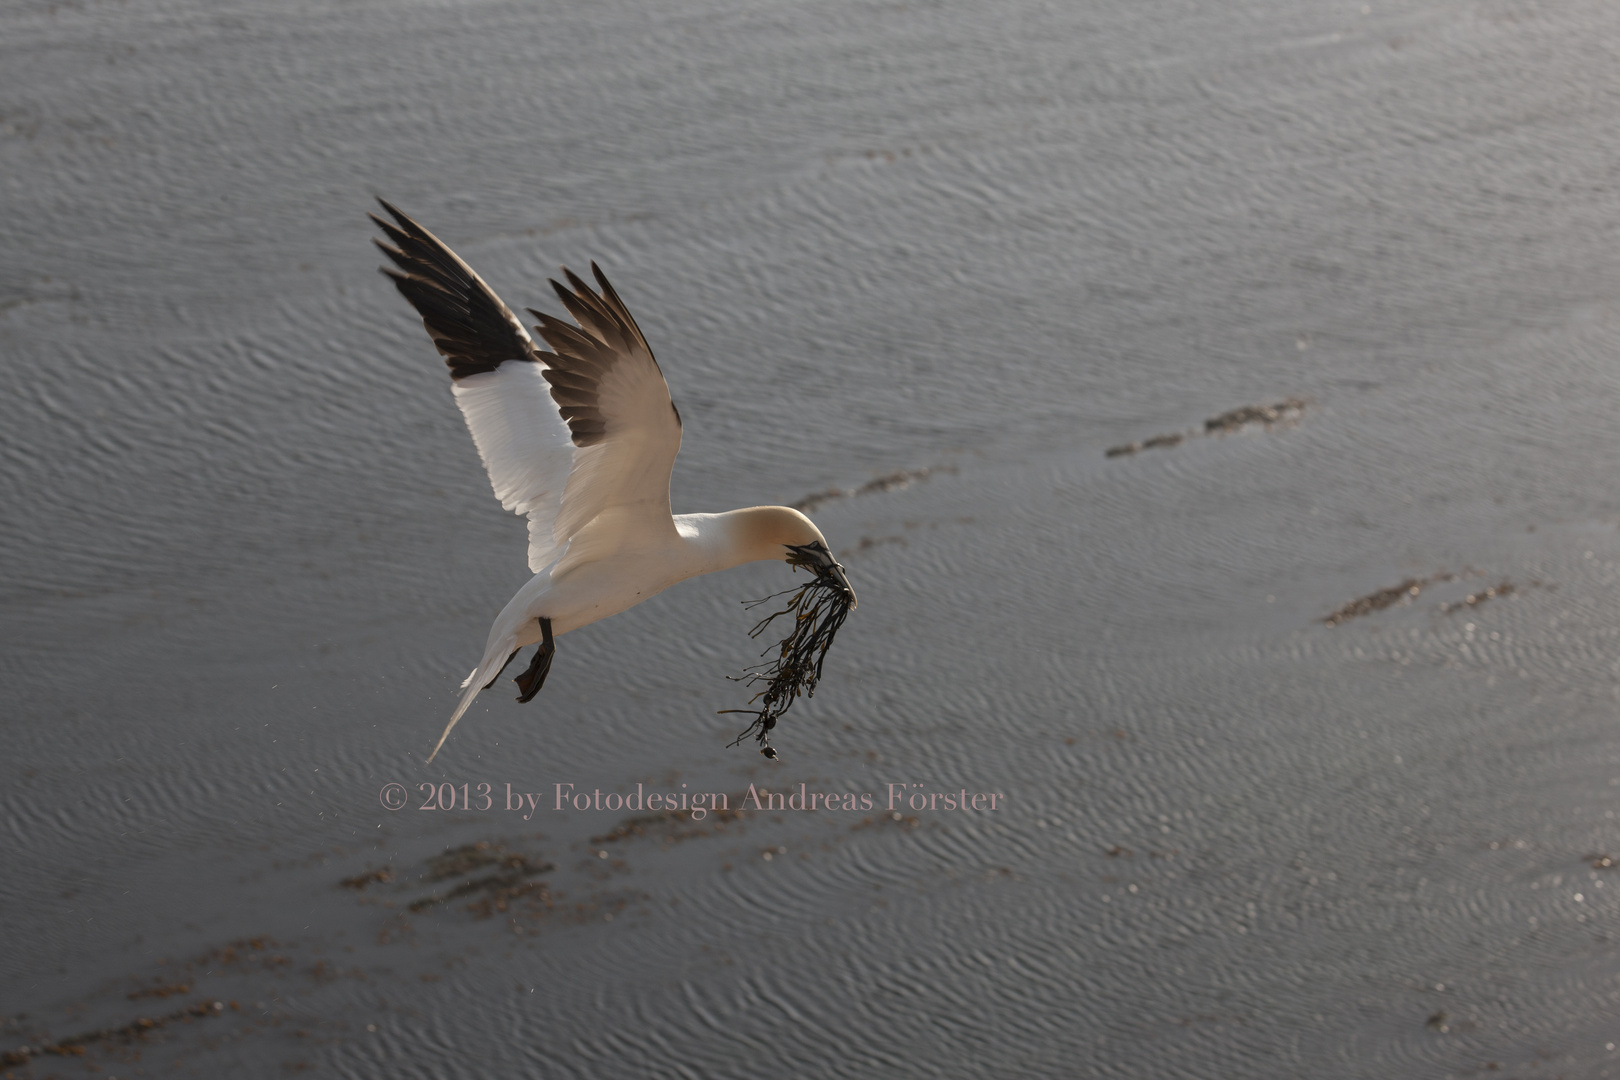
x=497 y=376
x=626 y=430
x=564 y=435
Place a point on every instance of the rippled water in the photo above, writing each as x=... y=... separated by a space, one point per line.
x=250 y=551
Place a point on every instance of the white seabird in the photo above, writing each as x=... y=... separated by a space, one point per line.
x=582 y=440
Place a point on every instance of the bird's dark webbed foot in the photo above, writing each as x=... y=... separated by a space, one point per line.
x=533 y=679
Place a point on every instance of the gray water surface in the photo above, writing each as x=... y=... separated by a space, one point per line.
x=250 y=551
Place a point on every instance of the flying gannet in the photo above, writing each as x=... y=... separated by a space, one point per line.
x=582 y=440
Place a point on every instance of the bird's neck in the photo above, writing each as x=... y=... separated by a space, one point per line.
x=720 y=541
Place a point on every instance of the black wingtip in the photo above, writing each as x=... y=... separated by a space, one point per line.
x=611 y=295
x=393 y=210
x=580 y=287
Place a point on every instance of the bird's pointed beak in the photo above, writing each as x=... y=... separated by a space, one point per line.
x=819 y=560
x=836 y=572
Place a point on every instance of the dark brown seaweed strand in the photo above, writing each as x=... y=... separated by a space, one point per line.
x=819 y=608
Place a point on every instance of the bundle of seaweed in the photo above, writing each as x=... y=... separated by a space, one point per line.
x=818 y=608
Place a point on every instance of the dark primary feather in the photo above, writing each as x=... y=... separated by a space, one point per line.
x=476 y=332
x=606 y=336
x=469 y=324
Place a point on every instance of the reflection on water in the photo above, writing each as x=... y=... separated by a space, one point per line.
x=918 y=267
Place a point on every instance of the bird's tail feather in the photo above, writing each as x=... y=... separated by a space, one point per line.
x=495 y=658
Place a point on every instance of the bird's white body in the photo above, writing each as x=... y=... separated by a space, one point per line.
x=643 y=563
x=582 y=442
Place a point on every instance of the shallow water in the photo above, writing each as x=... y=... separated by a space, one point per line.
x=251 y=552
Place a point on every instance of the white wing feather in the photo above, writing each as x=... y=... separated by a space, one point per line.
x=525 y=446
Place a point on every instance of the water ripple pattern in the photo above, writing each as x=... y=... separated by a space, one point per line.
x=925 y=263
